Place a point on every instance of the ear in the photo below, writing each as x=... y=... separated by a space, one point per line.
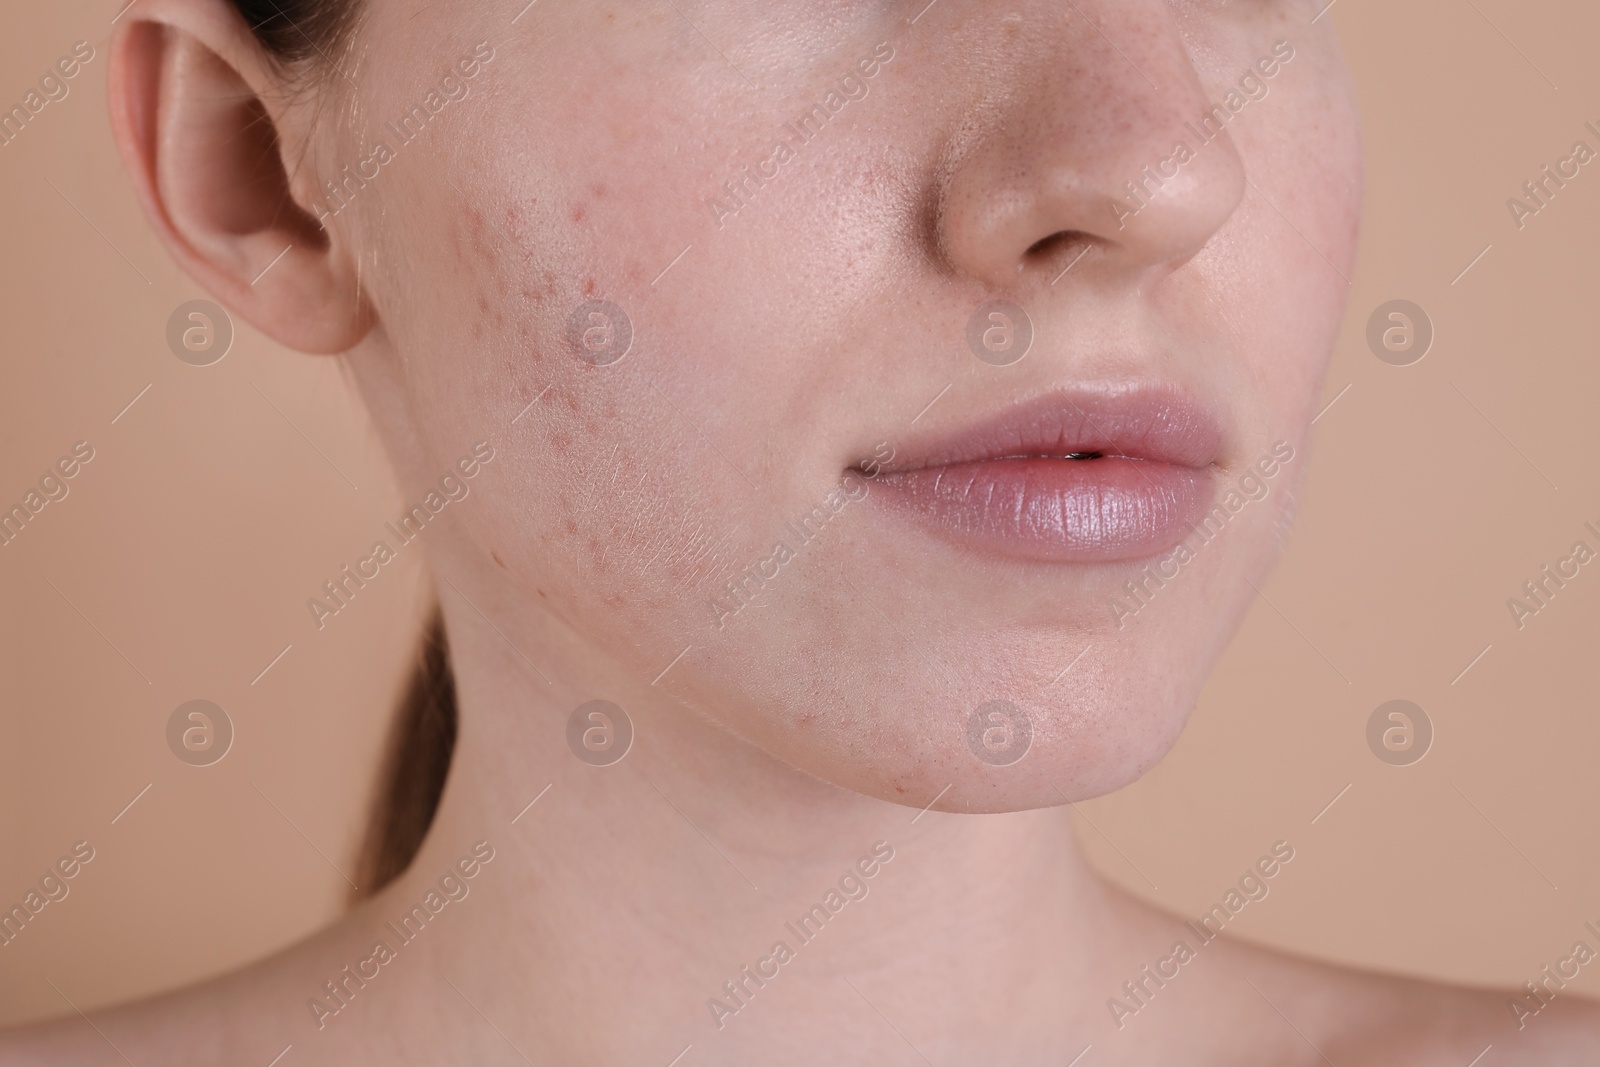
x=199 y=113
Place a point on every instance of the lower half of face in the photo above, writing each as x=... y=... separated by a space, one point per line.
x=942 y=387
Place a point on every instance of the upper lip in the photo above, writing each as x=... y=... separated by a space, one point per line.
x=1158 y=423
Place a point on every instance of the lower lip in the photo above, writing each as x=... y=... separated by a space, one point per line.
x=1054 y=510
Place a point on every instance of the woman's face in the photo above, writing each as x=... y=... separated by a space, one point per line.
x=818 y=466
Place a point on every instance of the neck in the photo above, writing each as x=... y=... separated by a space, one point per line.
x=726 y=899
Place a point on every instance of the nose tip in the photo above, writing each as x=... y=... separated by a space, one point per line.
x=1106 y=146
x=1169 y=208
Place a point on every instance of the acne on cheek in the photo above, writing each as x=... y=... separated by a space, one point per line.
x=588 y=513
x=626 y=571
x=632 y=514
x=608 y=520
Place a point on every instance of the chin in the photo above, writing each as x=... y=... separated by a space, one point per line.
x=1104 y=730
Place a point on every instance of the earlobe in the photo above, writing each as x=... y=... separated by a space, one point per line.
x=197 y=130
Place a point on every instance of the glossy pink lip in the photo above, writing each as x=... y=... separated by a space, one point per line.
x=1007 y=485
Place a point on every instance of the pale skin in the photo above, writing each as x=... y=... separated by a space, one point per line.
x=791 y=338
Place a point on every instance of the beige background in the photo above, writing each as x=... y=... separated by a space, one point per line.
x=183 y=555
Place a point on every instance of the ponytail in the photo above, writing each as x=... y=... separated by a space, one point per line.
x=415 y=766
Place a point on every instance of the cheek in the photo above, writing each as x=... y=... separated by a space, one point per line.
x=603 y=493
x=629 y=493
x=1281 y=268
x=619 y=491
x=611 y=514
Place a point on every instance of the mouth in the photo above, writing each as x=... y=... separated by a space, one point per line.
x=1090 y=475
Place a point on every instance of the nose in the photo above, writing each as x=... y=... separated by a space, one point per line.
x=1104 y=136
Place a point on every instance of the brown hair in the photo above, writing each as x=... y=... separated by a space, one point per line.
x=415 y=766
x=296 y=30
x=417 y=759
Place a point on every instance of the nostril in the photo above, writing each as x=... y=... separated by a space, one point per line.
x=1046 y=247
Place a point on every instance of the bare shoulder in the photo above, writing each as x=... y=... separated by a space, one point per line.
x=1356 y=1016
x=1214 y=998
x=247 y=1016
x=118 y=1035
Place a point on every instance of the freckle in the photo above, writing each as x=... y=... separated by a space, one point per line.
x=571 y=527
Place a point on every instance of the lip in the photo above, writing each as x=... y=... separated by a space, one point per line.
x=1006 y=485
